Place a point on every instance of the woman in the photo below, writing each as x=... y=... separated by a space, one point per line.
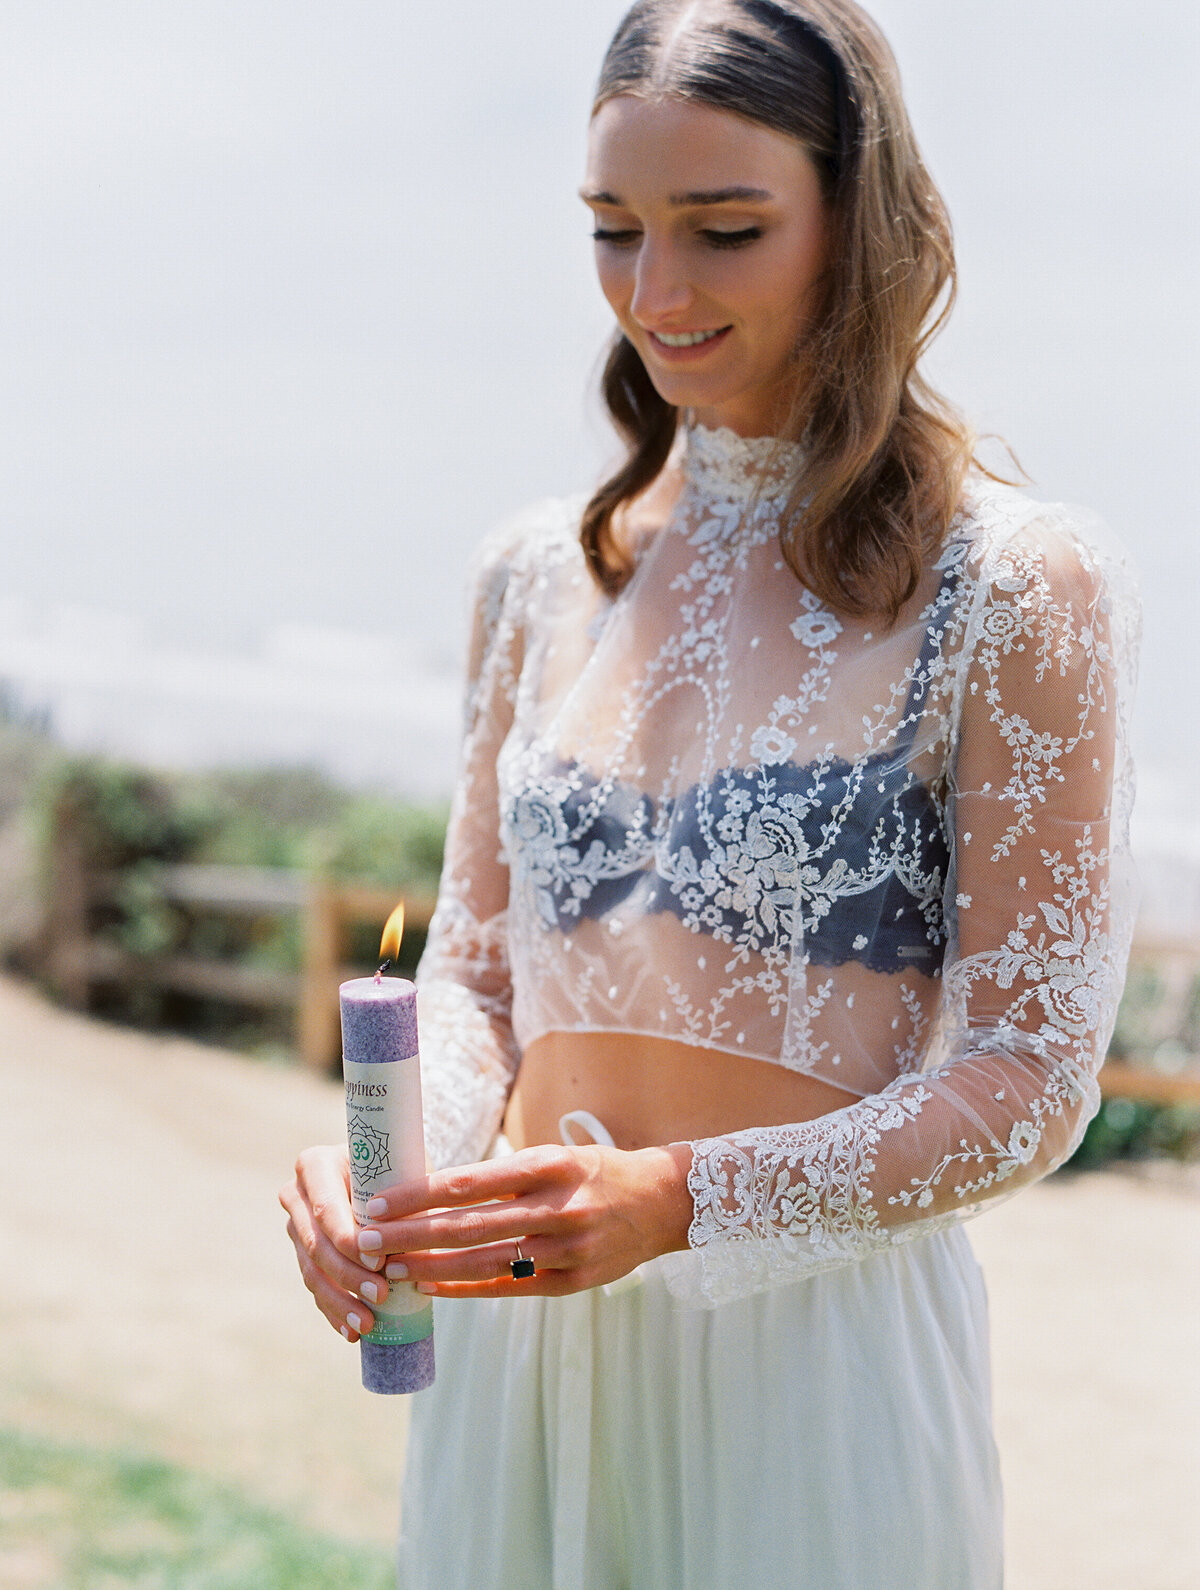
x=784 y=911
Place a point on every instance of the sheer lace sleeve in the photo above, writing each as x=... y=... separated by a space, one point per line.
x=1038 y=916
x=468 y=1053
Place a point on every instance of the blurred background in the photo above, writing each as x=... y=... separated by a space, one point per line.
x=296 y=301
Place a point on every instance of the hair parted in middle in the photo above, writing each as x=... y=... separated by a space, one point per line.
x=886 y=455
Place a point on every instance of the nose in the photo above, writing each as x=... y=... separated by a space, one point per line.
x=661 y=288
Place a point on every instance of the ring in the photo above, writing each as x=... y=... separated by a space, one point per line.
x=521 y=1267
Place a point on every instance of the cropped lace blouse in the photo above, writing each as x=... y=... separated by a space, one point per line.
x=893 y=858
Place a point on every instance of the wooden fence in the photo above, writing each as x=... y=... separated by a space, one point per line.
x=76 y=960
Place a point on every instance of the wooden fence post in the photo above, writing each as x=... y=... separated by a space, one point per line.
x=67 y=942
x=320 y=1034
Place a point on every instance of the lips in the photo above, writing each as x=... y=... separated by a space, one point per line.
x=685 y=345
x=685 y=339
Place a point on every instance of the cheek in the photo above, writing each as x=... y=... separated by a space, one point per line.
x=764 y=292
x=787 y=289
x=615 y=276
x=810 y=258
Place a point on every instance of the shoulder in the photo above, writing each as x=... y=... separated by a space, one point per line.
x=515 y=559
x=1045 y=594
x=505 y=569
x=1016 y=550
x=536 y=538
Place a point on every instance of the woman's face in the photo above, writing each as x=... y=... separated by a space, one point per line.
x=711 y=241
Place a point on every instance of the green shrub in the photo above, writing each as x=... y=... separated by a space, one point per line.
x=386 y=842
x=1134 y=1129
x=122 y=815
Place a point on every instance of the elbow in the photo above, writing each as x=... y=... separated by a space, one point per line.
x=1045 y=1137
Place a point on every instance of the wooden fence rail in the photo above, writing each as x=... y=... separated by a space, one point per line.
x=77 y=960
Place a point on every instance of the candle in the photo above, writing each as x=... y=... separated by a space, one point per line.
x=382 y=1071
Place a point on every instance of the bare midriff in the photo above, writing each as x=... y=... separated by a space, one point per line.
x=650 y=1091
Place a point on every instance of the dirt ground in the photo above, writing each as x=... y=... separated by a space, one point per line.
x=149 y=1299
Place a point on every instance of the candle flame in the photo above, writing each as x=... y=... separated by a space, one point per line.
x=393 y=932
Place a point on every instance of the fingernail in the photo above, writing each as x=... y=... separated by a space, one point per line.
x=354 y=1323
x=377 y=1207
x=427 y=1287
x=396 y=1271
x=370 y=1261
x=345 y=1330
x=370 y=1291
x=370 y=1241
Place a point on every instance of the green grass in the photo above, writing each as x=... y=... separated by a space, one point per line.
x=76 y=1519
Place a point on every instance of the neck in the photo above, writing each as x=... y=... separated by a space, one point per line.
x=752 y=416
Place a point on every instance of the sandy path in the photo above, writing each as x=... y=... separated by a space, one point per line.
x=149 y=1297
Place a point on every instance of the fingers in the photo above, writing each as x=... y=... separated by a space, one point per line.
x=462 y=1185
x=323 y=1179
x=578 y=1213
x=317 y=1203
x=545 y=1283
x=465 y=1228
x=341 y=1290
x=474 y=1205
x=490 y=1263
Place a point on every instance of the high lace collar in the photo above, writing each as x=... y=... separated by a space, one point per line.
x=726 y=467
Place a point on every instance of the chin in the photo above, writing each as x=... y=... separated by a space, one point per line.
x=720 y=396
x=693 y=394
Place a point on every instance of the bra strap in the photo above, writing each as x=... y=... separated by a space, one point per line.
x=929 y=645
x=596 y=1130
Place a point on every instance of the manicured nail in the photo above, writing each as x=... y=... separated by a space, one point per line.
x=345 y=1331
x=377 y=1207
x=354 y=1323
x=370 y=1261
x=427 y=1287
x=370 y=1241
x=370 y=1291
x=396 y=1271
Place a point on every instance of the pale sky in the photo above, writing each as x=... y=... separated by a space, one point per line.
x=296 y=296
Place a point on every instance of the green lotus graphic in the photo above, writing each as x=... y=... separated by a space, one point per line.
x=369 y=1151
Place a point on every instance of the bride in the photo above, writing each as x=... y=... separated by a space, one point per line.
x=785 y=903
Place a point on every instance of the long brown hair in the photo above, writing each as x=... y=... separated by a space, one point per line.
x=885 y=454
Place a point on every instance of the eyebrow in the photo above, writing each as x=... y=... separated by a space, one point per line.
x=697 y=200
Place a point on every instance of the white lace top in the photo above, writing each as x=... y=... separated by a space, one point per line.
x=891 y=858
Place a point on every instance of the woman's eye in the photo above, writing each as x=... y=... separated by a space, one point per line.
x=618 y=239
x=748 y=234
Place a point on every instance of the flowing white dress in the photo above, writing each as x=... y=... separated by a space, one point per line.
x=894 y=858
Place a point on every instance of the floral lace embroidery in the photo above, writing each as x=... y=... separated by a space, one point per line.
x=715 y=811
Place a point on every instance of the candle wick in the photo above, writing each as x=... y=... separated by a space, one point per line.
x=383 y=966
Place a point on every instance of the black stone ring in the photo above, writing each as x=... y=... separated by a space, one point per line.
x=521 y=1267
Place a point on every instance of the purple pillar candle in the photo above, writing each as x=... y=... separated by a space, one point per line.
x=382 y=1071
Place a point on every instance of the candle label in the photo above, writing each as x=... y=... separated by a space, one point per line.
x=387 y=1145
x=383 y=1127
x=407 y=1316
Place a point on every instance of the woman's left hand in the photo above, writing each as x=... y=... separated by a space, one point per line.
x=585 y=1216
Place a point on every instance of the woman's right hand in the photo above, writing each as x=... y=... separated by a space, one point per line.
x=324 y=1233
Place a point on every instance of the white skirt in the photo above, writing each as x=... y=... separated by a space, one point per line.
x=830 y=1435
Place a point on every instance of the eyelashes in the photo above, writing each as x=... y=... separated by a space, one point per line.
x=748 y=234
x=740 y=239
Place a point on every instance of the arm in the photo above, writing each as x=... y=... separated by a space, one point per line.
x=1038 y=915
x=469 y=1057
